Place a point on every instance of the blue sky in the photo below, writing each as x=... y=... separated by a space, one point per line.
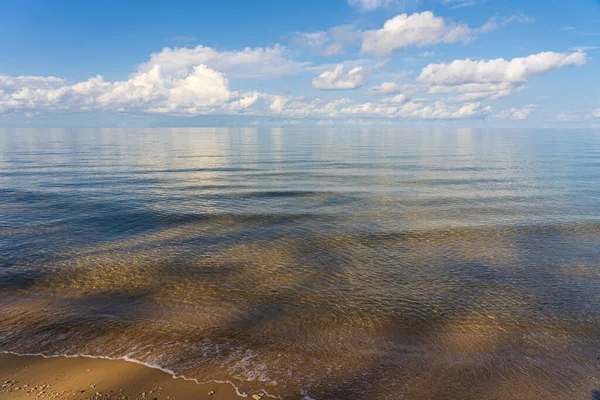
x=336 y=62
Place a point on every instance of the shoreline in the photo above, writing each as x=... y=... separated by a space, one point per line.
x=81 y=377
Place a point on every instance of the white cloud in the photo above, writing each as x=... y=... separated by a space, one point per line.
x=329 y=42
x=399 y=98
x=515 y=113
x=518 y=17
x=479 y=96
x=585 y=48
x=578 y=115
x=517 y=70
x=425 y=29
x=202 y=91
x=297 y=107
x=367 y=5
x=397 y=85
x=153 y=91
x=476 y=91
x=568 y=116
x=414 y=110
x=248 y=63
x=418 y=29
x=474 y=81
x=245 y=101
x=493 y=23
x=459 y=3
x=350 y=64
x=311 y=39
x=385 y=88
x=344 y=34
x=371 y=5
x=333 y=49
x=170 y=83
x=205 y=91
x=336 y=80
x=470 y=88
x=8 y=82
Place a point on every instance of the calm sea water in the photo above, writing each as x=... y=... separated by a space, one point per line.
x=335 y=264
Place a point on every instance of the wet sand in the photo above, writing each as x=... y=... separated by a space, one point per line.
x=62 y=378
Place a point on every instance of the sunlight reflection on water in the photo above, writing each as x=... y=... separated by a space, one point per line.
x=338 y=263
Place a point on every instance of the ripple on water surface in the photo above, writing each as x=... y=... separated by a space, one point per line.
x=336 y=264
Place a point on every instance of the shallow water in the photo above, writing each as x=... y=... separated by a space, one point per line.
x=335 y=264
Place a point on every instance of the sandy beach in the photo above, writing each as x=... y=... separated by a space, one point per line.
x=62 y=378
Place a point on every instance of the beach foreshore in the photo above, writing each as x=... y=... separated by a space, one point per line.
x=79 y=378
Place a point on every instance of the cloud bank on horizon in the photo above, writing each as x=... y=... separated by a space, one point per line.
x=411 y=65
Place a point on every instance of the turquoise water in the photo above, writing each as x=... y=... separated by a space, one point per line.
x=335 y=264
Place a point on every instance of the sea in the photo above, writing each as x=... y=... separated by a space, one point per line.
x=396 y=263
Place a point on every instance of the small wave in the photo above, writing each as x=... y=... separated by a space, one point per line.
x=145 y=364
x=283 y=193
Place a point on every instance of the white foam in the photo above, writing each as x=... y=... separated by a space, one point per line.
x=146 y=364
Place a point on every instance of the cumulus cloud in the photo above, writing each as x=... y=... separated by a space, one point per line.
x=337 y=80
x=414 y=110
x=204 y=91
x=515 y=113
x=197 y=91
x=386 y=88
x=393 y=87
x=397 y=85
x=425 y=29
x=476 y=91
x=399 y=98
x=517 y=70
x=350 y=64
x=170 y=83
x=475 y=81
x=492 y=79
x=470 y=88
x=418 y=29
x=248 y=63
x=153 y=91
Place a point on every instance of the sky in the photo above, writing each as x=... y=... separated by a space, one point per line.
x=466 y=63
